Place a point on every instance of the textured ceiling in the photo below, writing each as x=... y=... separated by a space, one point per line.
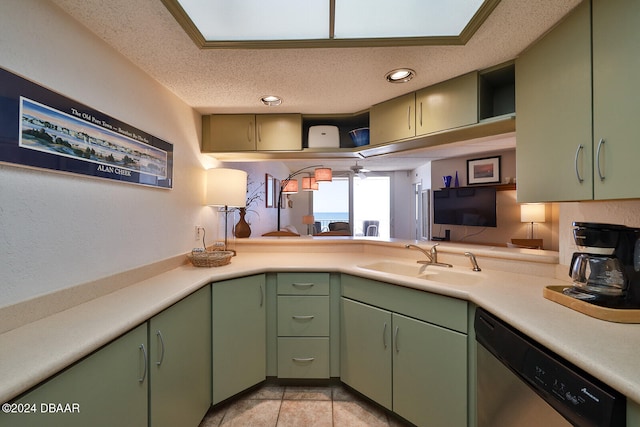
x=311 y=81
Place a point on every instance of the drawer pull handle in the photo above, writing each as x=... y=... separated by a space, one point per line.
x=302 y=317
x=303 y=359
x=302 y=285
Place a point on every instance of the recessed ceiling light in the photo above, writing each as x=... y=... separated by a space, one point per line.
x=271 y=100
x=400 y=75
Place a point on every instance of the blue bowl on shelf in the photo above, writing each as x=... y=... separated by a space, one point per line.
x=360 y=136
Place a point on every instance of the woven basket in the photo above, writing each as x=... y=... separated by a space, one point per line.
x=210 y=258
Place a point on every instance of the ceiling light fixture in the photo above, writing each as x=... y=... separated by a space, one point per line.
x=400 y=75
x=271 y=100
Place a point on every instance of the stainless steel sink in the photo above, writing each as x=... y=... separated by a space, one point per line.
x=428 y=272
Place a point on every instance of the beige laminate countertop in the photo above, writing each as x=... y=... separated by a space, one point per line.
x=510 y=286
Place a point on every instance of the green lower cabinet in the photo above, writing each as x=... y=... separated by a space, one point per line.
x=406 y=350
x=429 y=373
x=108 y=388
x=239 y=335
x=365 y=350
x=180 y=362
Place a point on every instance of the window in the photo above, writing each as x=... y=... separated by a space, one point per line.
x=365 y=203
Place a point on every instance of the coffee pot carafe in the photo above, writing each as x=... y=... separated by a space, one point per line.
x=607 y=268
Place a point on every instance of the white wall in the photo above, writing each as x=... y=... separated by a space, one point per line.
x=59 y=230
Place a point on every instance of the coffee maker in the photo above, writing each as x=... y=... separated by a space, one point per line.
x=606 y=271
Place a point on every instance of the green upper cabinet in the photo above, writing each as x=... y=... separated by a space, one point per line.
x=393 y=120
x=239 y=335
x=180 y=362
x=278 y=132
x=229 y=132
x=616 y=98
x=577 y=131
x=108 y=388
x=251 y=132
x=553 y=101
x=447 y=105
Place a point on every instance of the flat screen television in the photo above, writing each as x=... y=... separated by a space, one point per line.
x=465 y=206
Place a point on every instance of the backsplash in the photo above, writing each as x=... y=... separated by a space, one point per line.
x=626 y=212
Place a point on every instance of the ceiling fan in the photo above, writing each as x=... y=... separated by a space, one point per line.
x=360 y=171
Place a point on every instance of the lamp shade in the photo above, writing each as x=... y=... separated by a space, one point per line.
x=226 y=187
x=309 y=183
x=533 y=212
x=308 y=219
x=290 y=187
x=323 y=174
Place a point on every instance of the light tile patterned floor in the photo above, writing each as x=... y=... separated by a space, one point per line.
x=295 y=406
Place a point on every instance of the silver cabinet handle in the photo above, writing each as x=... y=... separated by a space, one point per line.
x=259 y=133
x=302 y=317
x=409 y=117
x=302 y=285
x=420 y=113
x=161 y=340
x=261 y=296
x=395 y=338
x=250 y=131
x=580 y=148
x=598 y=158
x=303 y=359
x=144 y=358
x=384 y=335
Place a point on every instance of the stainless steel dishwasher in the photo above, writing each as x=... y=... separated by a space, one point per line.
x=521 y=383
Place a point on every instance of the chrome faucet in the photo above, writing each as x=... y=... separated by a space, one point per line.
x=474 y=263
x=432 y=256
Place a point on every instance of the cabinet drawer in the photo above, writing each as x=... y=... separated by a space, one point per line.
x=303 y=357
x=303 y=316
x=303 y=283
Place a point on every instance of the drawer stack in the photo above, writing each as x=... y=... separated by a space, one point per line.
x=303 y=325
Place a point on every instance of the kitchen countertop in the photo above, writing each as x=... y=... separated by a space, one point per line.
x=510 y=286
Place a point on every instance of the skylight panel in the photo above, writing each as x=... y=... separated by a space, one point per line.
x=243 y=20
x=408 y=18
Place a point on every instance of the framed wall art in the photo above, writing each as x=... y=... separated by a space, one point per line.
x=483 y=171
x=40 y=128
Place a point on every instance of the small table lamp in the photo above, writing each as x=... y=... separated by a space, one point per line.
x=308 y=220
x=532 y=212
x=226 y=188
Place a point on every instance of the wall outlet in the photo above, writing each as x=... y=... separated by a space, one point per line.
x=199 y=231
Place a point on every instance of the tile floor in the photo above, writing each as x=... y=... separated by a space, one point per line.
x=299 y=406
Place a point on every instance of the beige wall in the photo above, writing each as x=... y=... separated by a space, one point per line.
x=59 y=230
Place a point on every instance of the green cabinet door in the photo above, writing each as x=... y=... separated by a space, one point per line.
x=393 y=120
x=553 y=103
x=616 y=99
x=239 y=335
x=365 y=350
x=228 y=132
x=429 y=373
x=278 y=132
x=447 y=105
x=107 y=388
x=180 y=362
